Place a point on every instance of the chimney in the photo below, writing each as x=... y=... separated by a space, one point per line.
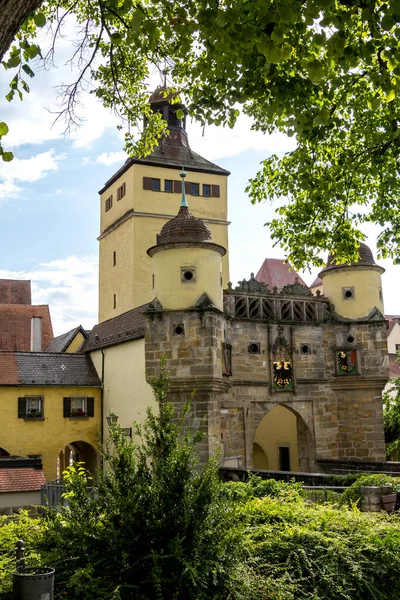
x=36 y=334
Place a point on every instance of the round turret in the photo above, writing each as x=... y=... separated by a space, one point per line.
x=186 y=261
x=356 y=288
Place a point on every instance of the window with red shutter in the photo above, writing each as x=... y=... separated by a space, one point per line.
x=147 y=183
x=178 y=187
x=215 y=191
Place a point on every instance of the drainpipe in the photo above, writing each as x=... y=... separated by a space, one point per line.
x=102 y=402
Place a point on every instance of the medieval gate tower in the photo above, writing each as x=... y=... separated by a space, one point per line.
x=249 y=349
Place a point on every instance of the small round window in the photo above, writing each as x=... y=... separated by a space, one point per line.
x=350 y=339
x=188 y=274
x=254 y=348
x=348 y=293
x=179 y=329
x=305 y=349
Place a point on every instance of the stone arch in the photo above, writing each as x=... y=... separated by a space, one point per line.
x=282 y=427
x=78 y=451
x=4 y=453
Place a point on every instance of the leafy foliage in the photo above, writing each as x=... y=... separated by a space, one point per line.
x=391 y=416
x=353 y=494
x=154 y=525
x=13 y=528
x=324 y=71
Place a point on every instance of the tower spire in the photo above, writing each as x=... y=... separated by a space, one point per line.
x=183 y=175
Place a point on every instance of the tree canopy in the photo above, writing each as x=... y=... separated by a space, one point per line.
x=324 y=71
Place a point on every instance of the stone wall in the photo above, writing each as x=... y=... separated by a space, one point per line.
x=339 y=416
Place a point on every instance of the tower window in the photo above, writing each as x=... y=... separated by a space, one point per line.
x=168 y=186
x=194 y=189
x=305 y=349
x=380 y=294
x=108 y=203
x=115 y=300
x=206 y=190
x=188 y=274
x=114 y=258
x=155 y=185
x=254 y=348
x=178 y=329
x=348 y=293
x=121 y=191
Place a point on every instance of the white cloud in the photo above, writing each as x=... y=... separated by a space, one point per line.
x=108 y=158
x=24 y=170
x=69 y=286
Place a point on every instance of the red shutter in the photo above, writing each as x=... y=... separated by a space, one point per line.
x=147 y=183
x=215 y=191
x=178 y=187
x=188 y=187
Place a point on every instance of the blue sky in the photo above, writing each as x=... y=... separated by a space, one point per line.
x=49 y=200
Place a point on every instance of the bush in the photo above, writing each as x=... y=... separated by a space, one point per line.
x=13 y=528
x=319 y=552
x=353 y=494
x=155 y=525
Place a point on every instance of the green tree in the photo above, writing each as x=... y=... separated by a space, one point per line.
x=154 y=525
x=324 y=71
x=391 y=414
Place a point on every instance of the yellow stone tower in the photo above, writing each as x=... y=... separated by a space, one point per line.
x=356 y=289
x=140 y=198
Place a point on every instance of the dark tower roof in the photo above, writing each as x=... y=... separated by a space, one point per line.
x=366 y=259
x=184 y=228
x=173 y=150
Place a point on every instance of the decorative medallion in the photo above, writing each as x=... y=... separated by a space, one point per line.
x=282 y=368
x=347 y=361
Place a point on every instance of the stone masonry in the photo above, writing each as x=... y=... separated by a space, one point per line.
x=339 y=415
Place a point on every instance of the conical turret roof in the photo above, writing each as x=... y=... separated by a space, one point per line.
x=365 y=259
x=184 y=228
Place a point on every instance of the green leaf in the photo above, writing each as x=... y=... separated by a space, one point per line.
x=390 y=95
x=13 y=61
x=7 y=156
x=10 y=95
x=137 y=20
x=40 y=19
x=116 y=38
x=25 y=86
x=33 y=51
x=28 y=70
x=3 y=128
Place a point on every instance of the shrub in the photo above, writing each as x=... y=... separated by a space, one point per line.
x=156 y=526
x=353 y=494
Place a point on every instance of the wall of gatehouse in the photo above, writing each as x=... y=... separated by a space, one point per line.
x=230 y=363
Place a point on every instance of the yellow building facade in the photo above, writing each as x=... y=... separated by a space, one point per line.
x=138 y=200
x=51 y=409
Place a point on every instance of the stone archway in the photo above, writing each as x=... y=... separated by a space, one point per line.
x=75 y=452
x=283 y=441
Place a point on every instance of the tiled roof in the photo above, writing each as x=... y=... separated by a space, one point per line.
x=317 y=282
x=15 y=291
x=394 y=366
x=366 y=258
x=21 y=480
x=45 y=368
x=61 y=342
x=393 y=319
x=15 y=326
x=173 y=151
x=184 y=228
x=274 y=272
x=123 y=328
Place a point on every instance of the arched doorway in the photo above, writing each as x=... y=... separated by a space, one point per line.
x=283 y=442
x=3 y=453
x=76 y=452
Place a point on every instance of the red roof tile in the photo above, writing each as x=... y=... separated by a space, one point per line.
x=21 y=480
x=275 y=272
x=394 y=366
x=15 y=326
x=317 y=282
x=8 y=369
x=15 y=291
